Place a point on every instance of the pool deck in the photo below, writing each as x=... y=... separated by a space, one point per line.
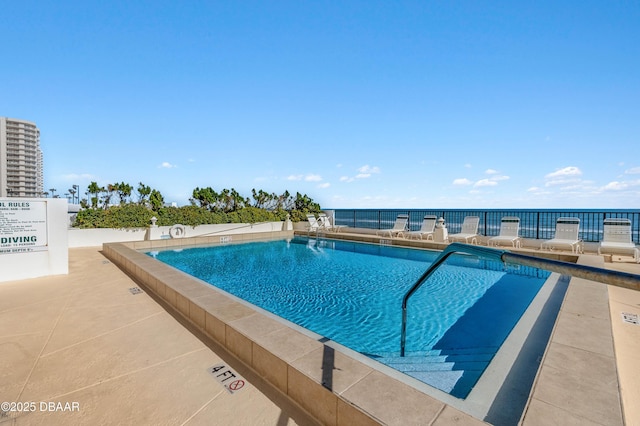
x=110 y=355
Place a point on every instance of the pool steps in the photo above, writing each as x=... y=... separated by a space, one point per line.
x=442 y=369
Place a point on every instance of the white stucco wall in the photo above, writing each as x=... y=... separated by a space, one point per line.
x=50 y=257
x=161 y=232
x=96 y=237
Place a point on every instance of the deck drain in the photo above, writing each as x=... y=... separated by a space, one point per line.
x=630 y=318
x=135 y=290
x=105 y=262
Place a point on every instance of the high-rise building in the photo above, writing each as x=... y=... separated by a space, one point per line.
x=21 y=167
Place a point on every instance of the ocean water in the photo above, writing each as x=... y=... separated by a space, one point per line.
x=538 y=224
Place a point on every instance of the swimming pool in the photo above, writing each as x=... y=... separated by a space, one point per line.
x=351 y=293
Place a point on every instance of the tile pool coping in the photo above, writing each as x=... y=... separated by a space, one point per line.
x=336 y=388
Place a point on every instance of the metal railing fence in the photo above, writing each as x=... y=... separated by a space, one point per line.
x=538 y=224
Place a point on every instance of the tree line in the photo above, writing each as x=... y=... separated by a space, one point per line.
x=117 y=205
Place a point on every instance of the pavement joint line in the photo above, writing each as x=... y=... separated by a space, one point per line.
x=35 y=333
x=570 y=413
x=129 y=302
x=35 y=363
x=201 y=408
x=34 y=304
x=102 y=334
x=110 y=379
x=358 y=381
x=437 y=415
x=99 y=285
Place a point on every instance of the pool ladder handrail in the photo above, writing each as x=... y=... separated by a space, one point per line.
x=614 y=278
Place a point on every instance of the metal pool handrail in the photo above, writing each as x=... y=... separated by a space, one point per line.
x=615 y=278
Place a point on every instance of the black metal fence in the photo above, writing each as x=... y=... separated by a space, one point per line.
x=538 y=224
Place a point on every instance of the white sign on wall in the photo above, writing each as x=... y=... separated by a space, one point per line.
x=23 y=226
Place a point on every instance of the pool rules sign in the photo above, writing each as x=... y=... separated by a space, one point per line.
x=23 y=226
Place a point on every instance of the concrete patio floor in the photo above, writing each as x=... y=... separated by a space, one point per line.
x=103 y=354
x=113 y=357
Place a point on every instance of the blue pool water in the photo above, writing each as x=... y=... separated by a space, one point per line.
x=352 y=293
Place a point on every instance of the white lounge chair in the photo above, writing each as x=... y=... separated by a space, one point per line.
x=399 y=227
x=509 y=232
x=469 y=232
x=325 y=223
x=314 y=226
x=567 y=229
x=426 y=229
x=617 y=238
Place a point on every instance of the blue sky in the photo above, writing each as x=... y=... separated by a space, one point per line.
x=358 y=104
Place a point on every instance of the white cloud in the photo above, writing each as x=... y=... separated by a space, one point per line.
x=167 y=165
x=537 y=191
x=368 y=170
x=462 y=182
x=364 y=172
x=485 y=182
x=324 y=185
x=567 y=171
x=74 y=177
x=308 y=178
x=313 y=178
x=467 y=166
x=620 y=186
x=633 y=171
x=577 y=187
x=615 y=186
x=494 y=178
x=565 y=176
x=557 y=182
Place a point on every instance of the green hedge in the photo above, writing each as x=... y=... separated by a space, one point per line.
x=138 y=216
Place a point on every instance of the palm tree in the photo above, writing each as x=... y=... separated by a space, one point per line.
x=143 y=192
x=124 y=192
x=95 y=189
